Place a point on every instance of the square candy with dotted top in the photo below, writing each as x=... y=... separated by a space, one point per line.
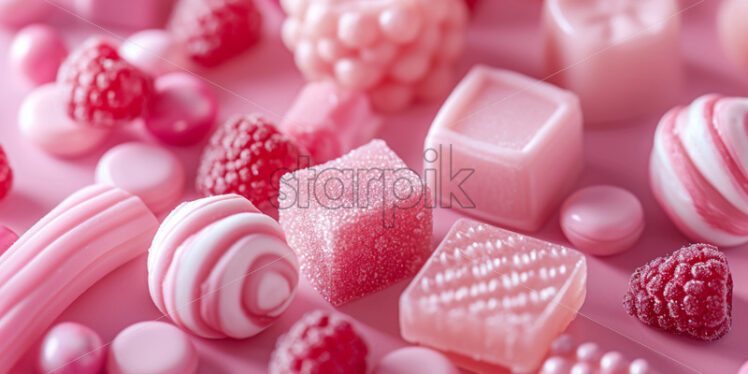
x=358 y=223
x=493 y=297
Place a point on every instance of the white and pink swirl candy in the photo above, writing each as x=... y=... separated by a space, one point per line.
x=699 y=169
x=220 y=268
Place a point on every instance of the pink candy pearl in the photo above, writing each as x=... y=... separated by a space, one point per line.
x=37 y=52
x=613 y=363
x=641 y=366
x=589 y=352
x=183 y=111
x=555 y=365
x=71 y=348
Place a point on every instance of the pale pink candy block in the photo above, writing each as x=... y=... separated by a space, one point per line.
x=358 y=223
x=329 y=120
x=87 y=236
x=133 y=14
x=622 y=57
x=494 y=296
x=511 y=143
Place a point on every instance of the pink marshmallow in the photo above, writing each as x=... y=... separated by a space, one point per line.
x=329 y=120
x=155 y=52
x=133 y=14
x=733 y=31
x=152 y=348
x=44 y=122
x=37 y=53
x=183 y=111
x=7 y=238
x=511 y=143
x=602 y=220
x=71 y=348
x=19 y=13
x=621 y=57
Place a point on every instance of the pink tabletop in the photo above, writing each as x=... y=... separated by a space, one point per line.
x=503 y=33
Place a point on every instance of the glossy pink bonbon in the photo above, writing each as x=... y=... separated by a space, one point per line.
x=183 y=111
x=396 y=51
x=698 y=171
x=18 y=13
x=495 y=297
x=36 y=54
x=159 y=185
x=499 y=125
x=567 y=357
x=154 y=51
x=415 y=360
x=131 y=14
x=329 y=120
x=602 y=220
x=7 y=238
x=71 y=348
x=359 y=223
x=152 y=348
x=220 y=268
x=622 y=57
x=44 y=122
x=87 y=236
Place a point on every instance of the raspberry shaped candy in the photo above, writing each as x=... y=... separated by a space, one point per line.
x=6 y=175
x=247 y=156
x=214 y=31
x=104 y=89
x=688 y=292
x=320 y=343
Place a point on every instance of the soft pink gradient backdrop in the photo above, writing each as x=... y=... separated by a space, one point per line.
x=504 y=33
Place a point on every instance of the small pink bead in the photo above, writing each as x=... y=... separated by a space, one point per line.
x=7 y=238
x=183 y=111
x=71 y=348
x=641 y=366
x=37 y=52
x=582 y=368
x=320 y=21
x=589 y=352
x=331 y=50
x=308 y=61
x=19 y=13
x=400 y=24
x=563 y=345
x=153 y=51
x=357 y=29
x=613 y=363
x=356 y=74
x=391 y=97
x=556 y=365
x=290 y=33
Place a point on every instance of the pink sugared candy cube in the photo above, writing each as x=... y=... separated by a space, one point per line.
x=358 y=223
x=622 y=57
x=329 y=120
x=493 y=297
x=395 y=51
x=505 y=148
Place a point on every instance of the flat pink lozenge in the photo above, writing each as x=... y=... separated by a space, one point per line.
x=415 y=360
x=152 y=347
x=622 y=57
x=494 y=296
x=505 y=148
x=329 y=120
x=358 y=223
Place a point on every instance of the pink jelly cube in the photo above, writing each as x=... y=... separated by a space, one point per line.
x=357 y=223
x=494 y=296
x=505 y=148
x=622 y=57
x=329 y=120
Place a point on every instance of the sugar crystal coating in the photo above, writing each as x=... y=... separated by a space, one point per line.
x=358 y=223
x=494 y=296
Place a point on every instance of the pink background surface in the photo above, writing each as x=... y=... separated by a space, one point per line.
x=504 y=33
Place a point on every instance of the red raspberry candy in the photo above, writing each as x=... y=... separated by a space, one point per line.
x=688 y=292
x=248 y=156
x=105 y=90
x=320 y=343
x=6 y=175
x=214 y=31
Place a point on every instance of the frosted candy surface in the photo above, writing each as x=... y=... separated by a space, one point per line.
x=494 y=296
x=357 y=235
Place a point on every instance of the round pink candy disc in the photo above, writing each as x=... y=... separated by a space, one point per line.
x=45 y=123
x=147 y=171
x=37 y=53
x=152 y=348
x=602 y=220
x=415 y=360
x=71 y=348
x=183 y=111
